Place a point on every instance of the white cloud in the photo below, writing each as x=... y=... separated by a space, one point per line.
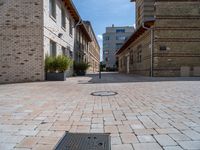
x=100 y=37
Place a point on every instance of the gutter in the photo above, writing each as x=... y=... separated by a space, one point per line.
x=152 y=36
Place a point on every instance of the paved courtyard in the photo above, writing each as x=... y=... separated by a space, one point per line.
x=147 y=114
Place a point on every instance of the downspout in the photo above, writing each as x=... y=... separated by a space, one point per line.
x=151 y=47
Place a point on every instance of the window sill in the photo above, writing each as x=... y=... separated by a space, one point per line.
x=71 y=35
x=63 y=28
x=53 y=18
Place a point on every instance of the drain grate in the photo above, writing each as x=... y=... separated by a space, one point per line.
x=84 y=141
x=104 y=93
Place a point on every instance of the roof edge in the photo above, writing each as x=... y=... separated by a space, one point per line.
x=135 y=35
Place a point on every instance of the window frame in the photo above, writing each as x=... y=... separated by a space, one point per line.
x=52 y=9
x=53 y=48
x=70 y=27
x=63 y=18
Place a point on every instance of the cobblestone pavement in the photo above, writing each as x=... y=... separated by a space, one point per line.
x=147 y=114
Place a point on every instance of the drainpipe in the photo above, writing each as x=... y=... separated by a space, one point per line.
x=151 y=47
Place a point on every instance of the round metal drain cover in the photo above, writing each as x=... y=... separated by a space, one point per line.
x=104 y=93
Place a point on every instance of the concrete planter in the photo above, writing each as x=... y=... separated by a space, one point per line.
x=54 y=76
x=80 y=73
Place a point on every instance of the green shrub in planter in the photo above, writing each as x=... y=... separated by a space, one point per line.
x=81 y=68
x=62 y=63
x=56 y=67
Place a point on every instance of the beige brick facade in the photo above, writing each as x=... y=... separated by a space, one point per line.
x=175 y=42
x=21 y=41
x=93 y=54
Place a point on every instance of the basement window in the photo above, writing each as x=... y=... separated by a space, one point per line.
x=163 y=48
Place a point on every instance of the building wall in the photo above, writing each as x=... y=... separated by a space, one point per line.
x=143 y=66
x=176 y=42
x=144 y=11
x=177 y=28
x=81 y=46
x=109 y=45
x=94 y=50
x=53 y=27
x=21 y=41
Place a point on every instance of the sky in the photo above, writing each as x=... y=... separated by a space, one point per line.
x=104 y=13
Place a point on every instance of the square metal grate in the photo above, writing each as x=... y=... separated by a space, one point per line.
x=84 y=141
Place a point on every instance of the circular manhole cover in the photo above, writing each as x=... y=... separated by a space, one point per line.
x=104 y=93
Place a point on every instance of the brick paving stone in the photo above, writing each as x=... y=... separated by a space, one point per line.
x=122 y=147
x=144 y=109
x=116 y=140
x=13 y=139
x=124 y=128
x=111 y=129
x=27 y=142
x=128 y=138
x=192 y=134
x=165 y=140
x=167 y=131
x=28 y=132
x=147 y=146
x=145 y=131
x=173 y=148
x=146 y=139
x=43 y=147
x=190 y=145
x=7 y=146
x=48 y=140
x=179 y=137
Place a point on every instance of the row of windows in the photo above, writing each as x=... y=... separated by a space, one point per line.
x=52 y=11
x=120 y=38
x=120 y=30
x=65 y=51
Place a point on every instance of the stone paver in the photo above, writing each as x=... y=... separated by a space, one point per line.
x=147 y=146
x=165 y=140
x=147 y=114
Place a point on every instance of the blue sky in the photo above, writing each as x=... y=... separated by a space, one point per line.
x=103 y=13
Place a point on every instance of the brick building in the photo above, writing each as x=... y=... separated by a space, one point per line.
x=86 y=47
x=93 y=55
x=166 y=41
x=30 y=30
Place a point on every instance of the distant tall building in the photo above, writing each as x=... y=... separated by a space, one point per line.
x=113 y=39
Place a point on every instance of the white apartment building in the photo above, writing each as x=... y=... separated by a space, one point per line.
x=113 y=39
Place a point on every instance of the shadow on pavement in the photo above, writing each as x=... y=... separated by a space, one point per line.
x=114 y=77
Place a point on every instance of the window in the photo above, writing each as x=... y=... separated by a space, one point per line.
x=52 y=8
x=64 y=52
x=106 y=38
x=70 y=26
x=121 y=38
x=63 y=19
x=163 y=48
x=139 y=54
x=120 y=31
x=53 y=51
x=131 y=57
x=70 y=53
x=118 y=45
